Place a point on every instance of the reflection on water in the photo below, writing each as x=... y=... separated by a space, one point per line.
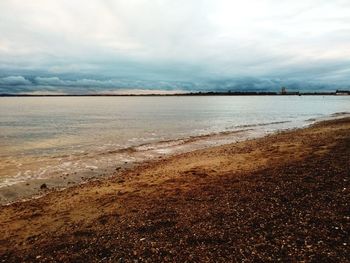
x=49 y=136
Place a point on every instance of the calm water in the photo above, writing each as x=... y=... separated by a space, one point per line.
x=39 y=135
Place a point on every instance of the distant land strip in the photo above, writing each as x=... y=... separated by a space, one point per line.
x=210 y=93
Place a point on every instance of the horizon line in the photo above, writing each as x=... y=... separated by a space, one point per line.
x=209 y=93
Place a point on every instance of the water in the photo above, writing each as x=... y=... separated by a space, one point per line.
x=43 y=137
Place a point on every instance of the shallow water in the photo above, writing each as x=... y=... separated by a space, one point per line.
x=43 y=137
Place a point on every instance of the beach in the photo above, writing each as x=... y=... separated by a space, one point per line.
x=281 y=197
x=60 y=141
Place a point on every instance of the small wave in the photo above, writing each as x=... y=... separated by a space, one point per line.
x=149 y=146
x=329 y=117
x=261 y=124
x=337 y=114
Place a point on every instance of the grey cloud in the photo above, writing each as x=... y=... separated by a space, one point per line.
x=14 y=81
x=87 y=85
x=108 y=83
x=84 y=85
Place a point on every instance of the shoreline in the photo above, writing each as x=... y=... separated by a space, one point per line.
x=258 y=195
x=144 y=153
x=130 y=157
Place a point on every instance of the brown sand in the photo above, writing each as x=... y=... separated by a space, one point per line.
x=283 y=197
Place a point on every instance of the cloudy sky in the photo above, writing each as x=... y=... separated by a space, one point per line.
x=75 y=46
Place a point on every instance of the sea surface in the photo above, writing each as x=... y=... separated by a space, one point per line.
x=67 y=139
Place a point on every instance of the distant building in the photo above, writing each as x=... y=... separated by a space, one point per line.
x=342 y=92
x=283 y=90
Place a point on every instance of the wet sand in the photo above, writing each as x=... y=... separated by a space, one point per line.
x=59 y=172
x=282 y=197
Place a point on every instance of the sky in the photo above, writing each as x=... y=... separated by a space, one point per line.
x=111 y=46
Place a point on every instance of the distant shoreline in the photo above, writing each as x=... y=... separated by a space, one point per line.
x=345 y=93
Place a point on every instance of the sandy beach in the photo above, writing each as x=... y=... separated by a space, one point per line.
x=281 y=197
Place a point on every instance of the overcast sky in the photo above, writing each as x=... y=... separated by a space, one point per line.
x=99 y=45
